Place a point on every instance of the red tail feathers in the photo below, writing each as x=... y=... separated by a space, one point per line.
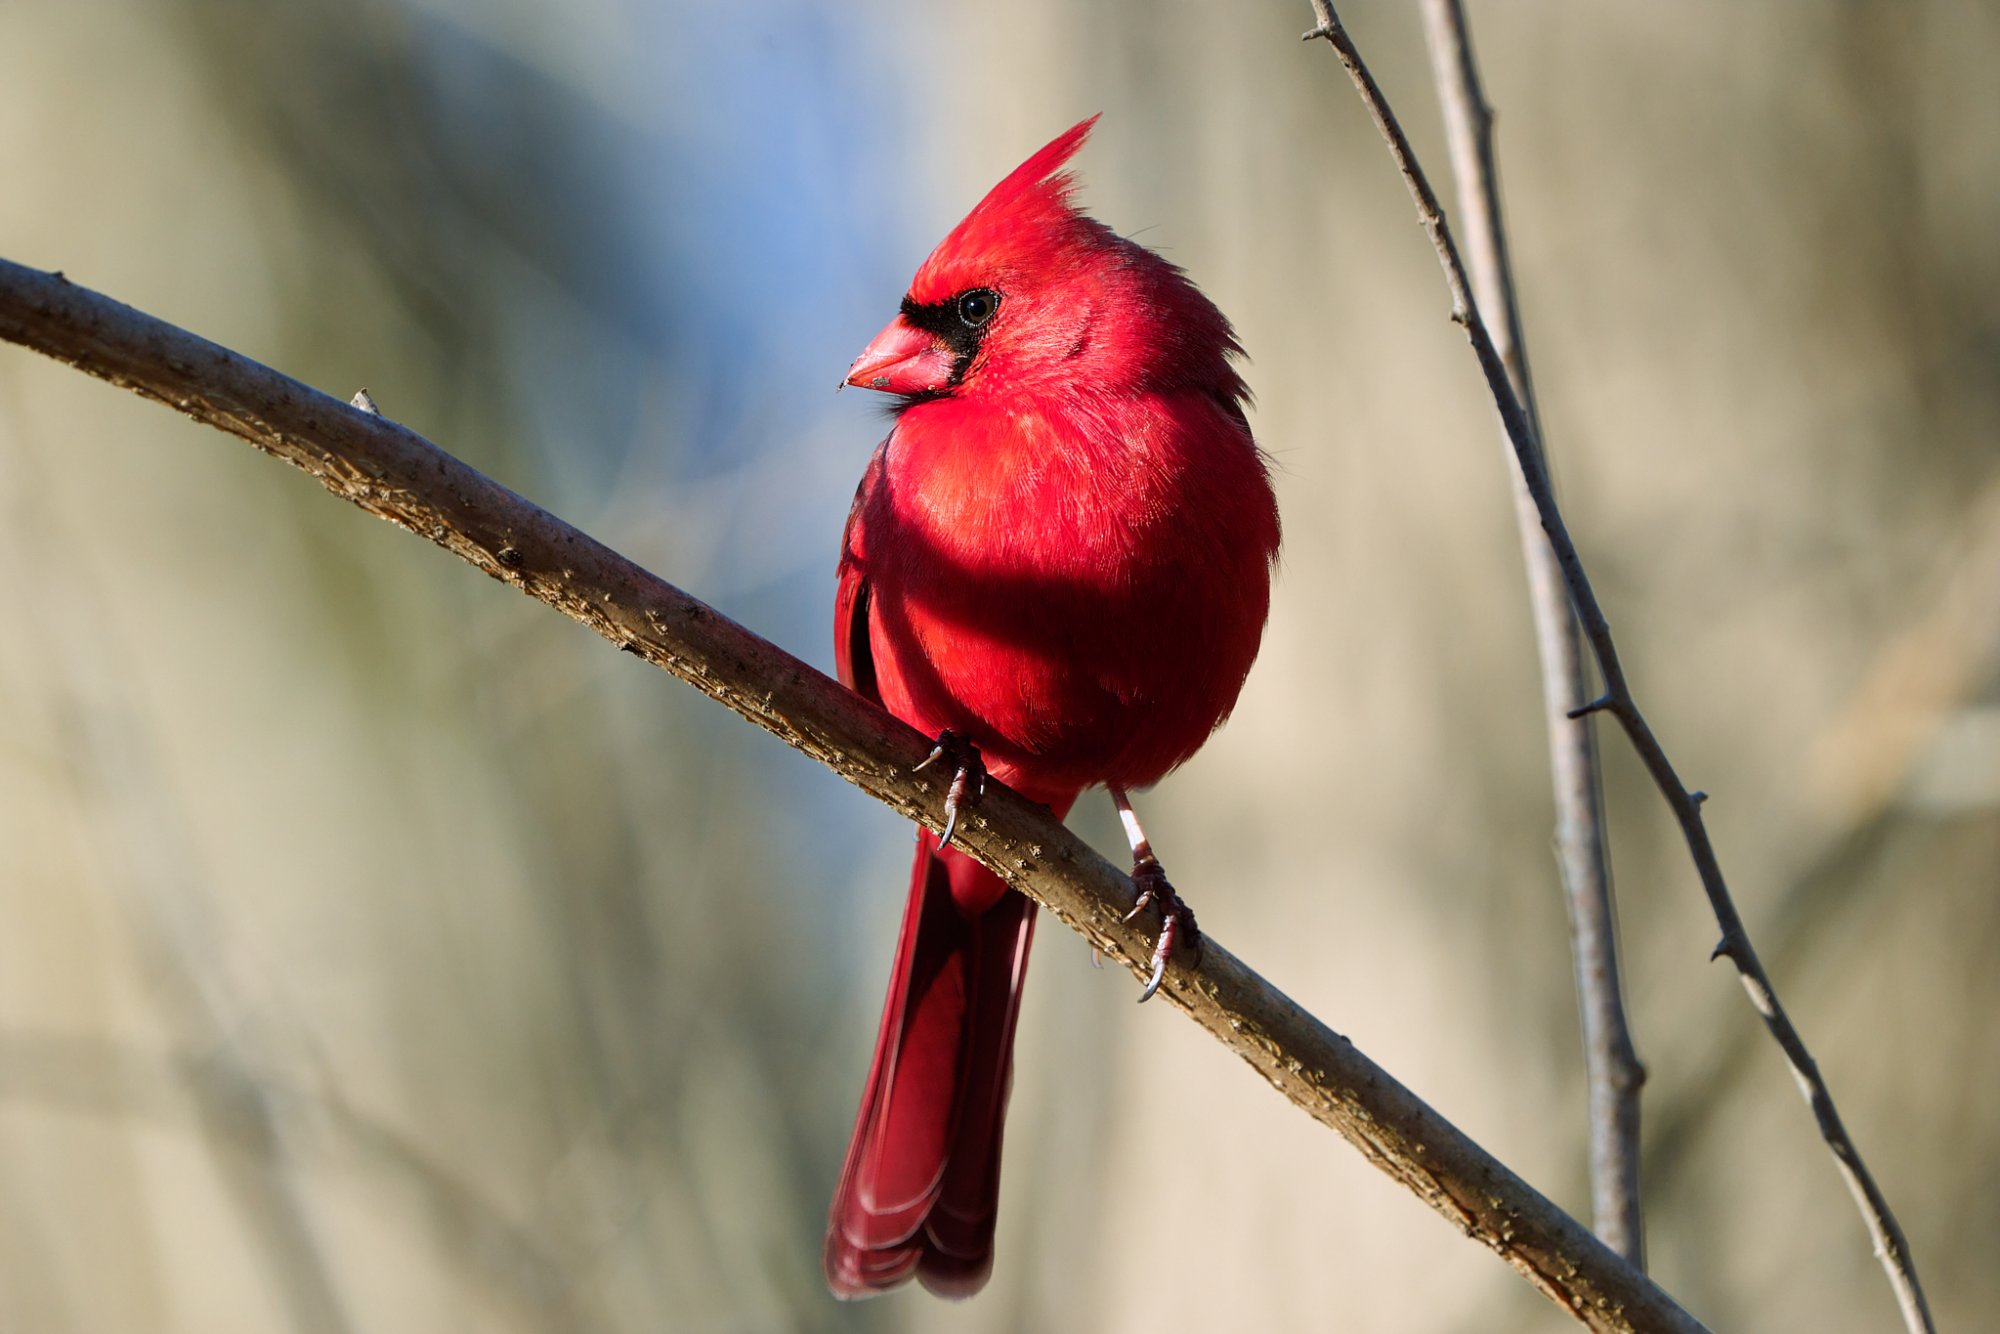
x=921 y=1186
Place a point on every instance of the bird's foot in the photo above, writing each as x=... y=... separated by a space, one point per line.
x=968 y=777
x=1176 y=918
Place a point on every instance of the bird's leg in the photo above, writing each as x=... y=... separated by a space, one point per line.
x=1176 y=918
x=968 y=777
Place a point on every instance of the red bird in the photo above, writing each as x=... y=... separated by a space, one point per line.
x=1059 y=562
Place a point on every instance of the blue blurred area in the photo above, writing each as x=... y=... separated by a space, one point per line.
x=706 y=219
x=696 y=266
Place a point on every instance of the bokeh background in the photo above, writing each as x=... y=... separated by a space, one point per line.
x=383 y=952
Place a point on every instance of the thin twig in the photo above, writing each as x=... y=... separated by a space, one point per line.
x=1862 y=774
x=1890 y=1245
x=1614 y=1075
x=390 y=471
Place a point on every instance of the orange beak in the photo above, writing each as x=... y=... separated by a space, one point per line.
x=902 y=359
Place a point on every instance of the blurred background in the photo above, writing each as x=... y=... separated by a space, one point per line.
x=383 y=952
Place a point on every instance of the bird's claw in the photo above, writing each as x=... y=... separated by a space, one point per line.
x=968 y=778
x=1176 y=918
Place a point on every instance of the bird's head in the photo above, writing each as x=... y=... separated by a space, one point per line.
x=1028 y=294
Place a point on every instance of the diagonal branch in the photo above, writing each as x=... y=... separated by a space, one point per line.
x=1614 y=1074
x=392 y=472
x=1891 y=1247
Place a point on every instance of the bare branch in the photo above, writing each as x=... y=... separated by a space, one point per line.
x=1891 y=1247
x=1582 y=850
x=392 y=472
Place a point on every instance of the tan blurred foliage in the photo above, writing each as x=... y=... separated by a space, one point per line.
x=382 y=953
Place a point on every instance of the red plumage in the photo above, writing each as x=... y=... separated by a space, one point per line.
x=1061 y=552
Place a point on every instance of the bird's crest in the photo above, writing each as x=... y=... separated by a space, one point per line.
x=1031 y=206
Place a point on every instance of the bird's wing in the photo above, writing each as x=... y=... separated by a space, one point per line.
x=852 y=657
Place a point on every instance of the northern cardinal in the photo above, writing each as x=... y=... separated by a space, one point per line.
x=1059 y=564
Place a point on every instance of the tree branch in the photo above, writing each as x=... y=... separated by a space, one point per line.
x=391 y=472
x=1614 y=1074
x=1891 y=1247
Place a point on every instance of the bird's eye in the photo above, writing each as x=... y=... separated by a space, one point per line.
x=977 y=306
